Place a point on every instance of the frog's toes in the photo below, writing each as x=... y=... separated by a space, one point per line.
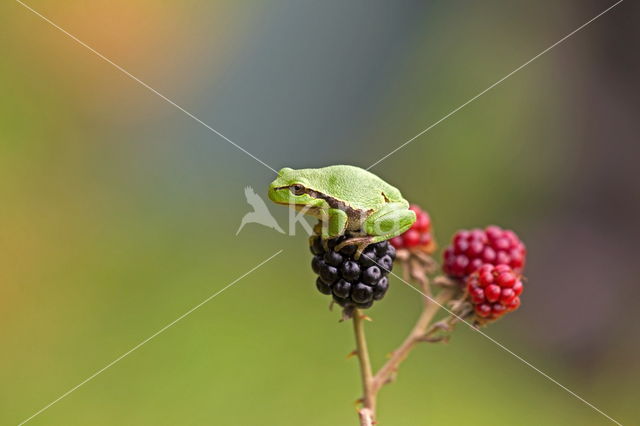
x=347 y=242
x=361 y=248
x=361 y=242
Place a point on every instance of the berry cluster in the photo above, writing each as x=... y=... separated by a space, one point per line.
x=494 y=291
x=419 y=235
x=472 y=249
x=353 y=283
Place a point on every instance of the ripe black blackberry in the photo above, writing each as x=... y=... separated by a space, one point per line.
x=353 y=283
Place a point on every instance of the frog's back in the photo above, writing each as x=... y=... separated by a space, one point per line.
x=359 y=187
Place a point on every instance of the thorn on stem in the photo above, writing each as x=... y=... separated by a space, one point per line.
x=446 y=282
x=436 y=339
x=392 y=377
x=440 y=325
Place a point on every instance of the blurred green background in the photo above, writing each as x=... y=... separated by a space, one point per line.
x=118 y=212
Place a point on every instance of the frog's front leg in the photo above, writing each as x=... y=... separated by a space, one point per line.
x=334 y=223
x=391 y=220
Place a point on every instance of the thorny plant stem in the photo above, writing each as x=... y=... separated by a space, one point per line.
x=371 y=384
x=368 y=399
x=388 y=370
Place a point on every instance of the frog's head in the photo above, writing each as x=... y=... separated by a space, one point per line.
x=291 y=188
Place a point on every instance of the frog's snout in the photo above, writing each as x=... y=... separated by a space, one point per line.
x=272 y=193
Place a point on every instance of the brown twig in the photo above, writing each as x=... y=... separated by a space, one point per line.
x=366 y=417
x=367 y=412
x=415 y=268
x=389 y=369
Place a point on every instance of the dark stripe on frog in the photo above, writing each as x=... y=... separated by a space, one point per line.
x=334 y=203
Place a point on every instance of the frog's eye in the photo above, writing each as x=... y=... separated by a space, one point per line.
x=297 y=189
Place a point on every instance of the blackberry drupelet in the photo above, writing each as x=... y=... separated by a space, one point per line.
x=353 y=283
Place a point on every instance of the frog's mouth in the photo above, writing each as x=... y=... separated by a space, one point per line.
x=285 y=203
x=300 y=207
x=273 y=195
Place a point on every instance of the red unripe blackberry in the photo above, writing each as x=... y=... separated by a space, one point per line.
x=352 y=283
x=419 y=235
x=515 y=304
x=507 y=295
x=483 y=310
x=469 y=250
x=506 y=279
x=410 y=238
x=493 y=291
x=517 y=288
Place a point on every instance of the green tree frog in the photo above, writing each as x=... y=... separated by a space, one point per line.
x=345 y=198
